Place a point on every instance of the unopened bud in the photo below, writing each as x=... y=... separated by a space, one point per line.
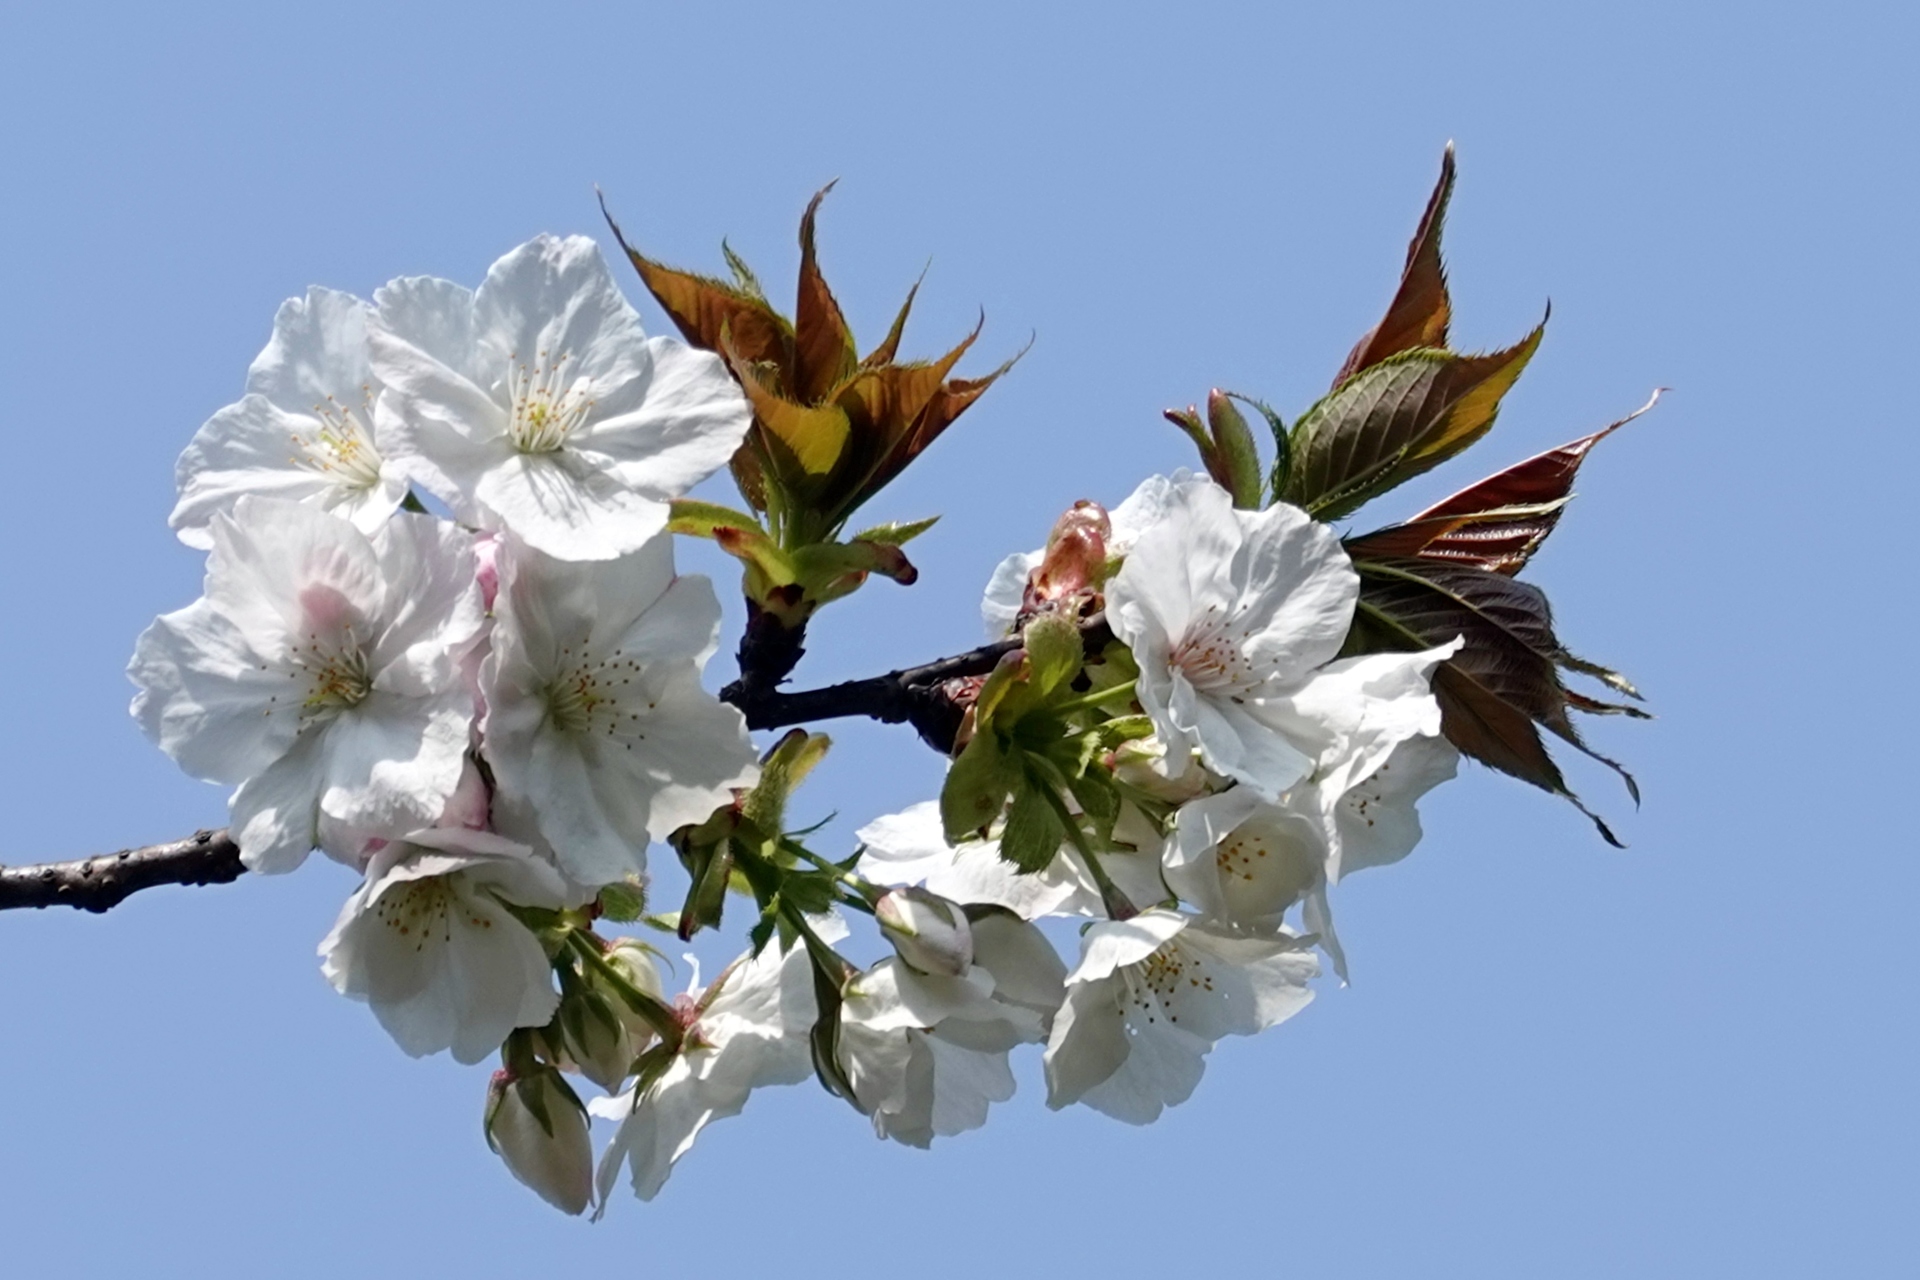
x=536 y=1124
x=928 y=931
x=597 y=1040
x=1075 y=558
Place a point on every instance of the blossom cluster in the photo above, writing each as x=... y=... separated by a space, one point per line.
x=443 y=641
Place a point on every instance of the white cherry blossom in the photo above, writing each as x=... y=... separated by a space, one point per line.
x=746 y=1030
x=1149 y=999
x=926 y=1054
x=1227 y=611
x=536 y=404
x=304 y=431
x=599 y=733
x=320 y=673
x=1238 y=857
x=428 y=943
x=910 y=847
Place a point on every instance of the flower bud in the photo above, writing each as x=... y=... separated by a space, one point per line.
x=596 y=1039
x=928 y=931
x=1075 y=559
x=536 y=1125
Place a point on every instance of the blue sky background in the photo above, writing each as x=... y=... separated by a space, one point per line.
x=1693 y=1058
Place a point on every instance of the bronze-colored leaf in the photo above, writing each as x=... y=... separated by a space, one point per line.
x=816 y=436
x=1420 y=310
x=704 y=308
x=823 y=350
x=1509 y=654
x=1395 y=420
x=1486 y=727
x=889 y=346
x=1500 y=522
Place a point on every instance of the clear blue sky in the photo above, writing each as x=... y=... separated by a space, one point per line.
x=1693 y=1058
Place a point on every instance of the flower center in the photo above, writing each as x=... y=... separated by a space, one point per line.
x=1210 y=655
x=337 y=676
x=599 y=698
x=548 y=404
x=1155 y=985
x=342 y=449
x=417 y=911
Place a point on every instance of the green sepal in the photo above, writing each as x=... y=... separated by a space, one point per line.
x=977 y=787
x=1034 y=831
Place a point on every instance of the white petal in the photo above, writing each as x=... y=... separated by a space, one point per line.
x=1296 y=590
x=1111 y=944
x=274 y=813
x=568 y=504
x=318 y=350
x=553 y=297
x=273 y=563
x=1026 y=969
x=1162 y=1068
x=434 y=609
x=248 y=447
x=208 y=699
x=1007 y=591
x=392 y=763
x=691 y=420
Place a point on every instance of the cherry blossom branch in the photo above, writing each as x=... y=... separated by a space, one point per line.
x=99 y=884
x=920 y=696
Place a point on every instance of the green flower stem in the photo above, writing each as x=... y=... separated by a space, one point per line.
x=657 y=1015
x=1091 y=701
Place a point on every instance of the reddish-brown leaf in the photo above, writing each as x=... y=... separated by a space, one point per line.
x=823 y=350
x=1421 y=310
x=890 y=345
x=1500 y=522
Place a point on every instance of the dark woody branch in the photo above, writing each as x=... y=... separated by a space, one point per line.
x=922 y=696
x=99 y=884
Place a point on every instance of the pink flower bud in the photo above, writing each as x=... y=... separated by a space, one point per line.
x=1075 y=561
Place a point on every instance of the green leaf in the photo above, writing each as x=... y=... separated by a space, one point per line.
x=1395 y=420
x=895 y=534
x=977 y=787
x=1421 y=310
x=1239 y=459
x=1055 y=653
x=1034 y=831
x=1282 y=445
x=705 y=519
x=781 y=770
x=1188 y=420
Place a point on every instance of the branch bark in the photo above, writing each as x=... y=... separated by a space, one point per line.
x=922 y=696
x=99 y=884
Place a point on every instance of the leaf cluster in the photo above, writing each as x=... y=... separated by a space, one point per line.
x=1040 y=730
x=831 y=427
x=1403 y=403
